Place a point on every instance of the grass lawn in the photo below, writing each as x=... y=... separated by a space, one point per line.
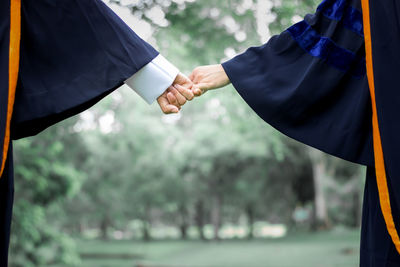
x=300 y=250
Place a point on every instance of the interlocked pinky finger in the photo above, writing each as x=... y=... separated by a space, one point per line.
x=172 y=100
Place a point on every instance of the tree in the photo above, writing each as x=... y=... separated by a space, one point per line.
x=45 y=174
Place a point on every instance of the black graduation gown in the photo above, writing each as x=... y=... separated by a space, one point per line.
x=72 y=54
x=311 y=83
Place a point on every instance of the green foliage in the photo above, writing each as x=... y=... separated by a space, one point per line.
x=45 y=176
x=288 y=11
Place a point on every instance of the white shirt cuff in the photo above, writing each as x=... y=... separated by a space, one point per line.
x=153 y=79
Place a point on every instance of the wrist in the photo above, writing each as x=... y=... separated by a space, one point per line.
x=224 y=79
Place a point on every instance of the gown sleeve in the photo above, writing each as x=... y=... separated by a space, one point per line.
x=73 y=53
x=310 y=82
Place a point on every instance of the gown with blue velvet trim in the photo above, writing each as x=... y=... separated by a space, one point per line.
x=73 y=53
x=310 y=83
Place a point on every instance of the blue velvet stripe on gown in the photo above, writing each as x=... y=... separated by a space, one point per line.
x=324 y=48
x=343 y=12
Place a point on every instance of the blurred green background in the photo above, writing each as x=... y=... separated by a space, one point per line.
x=215 y=186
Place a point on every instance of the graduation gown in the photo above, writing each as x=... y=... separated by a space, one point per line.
x=330 y=81
x=71 y=53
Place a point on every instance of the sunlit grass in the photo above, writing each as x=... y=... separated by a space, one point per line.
x=299 y=250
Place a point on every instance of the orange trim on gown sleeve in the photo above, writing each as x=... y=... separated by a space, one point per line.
x=13 y=68
x=380 y=170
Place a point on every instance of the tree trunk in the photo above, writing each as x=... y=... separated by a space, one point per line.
x=216 y=214
x=104 y=224
x=184 y=225
x=146 y=223
x=146 y=231
x=81 y=227
x=250 y=220
x=200 y=219
x=319 y=176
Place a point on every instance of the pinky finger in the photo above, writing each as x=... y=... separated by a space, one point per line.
x=171 y=109
x=173 y=100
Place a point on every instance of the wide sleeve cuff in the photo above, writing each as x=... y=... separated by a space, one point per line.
x=153 y=79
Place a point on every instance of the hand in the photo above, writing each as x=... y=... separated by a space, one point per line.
x=176 y=95
x=208 y=77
